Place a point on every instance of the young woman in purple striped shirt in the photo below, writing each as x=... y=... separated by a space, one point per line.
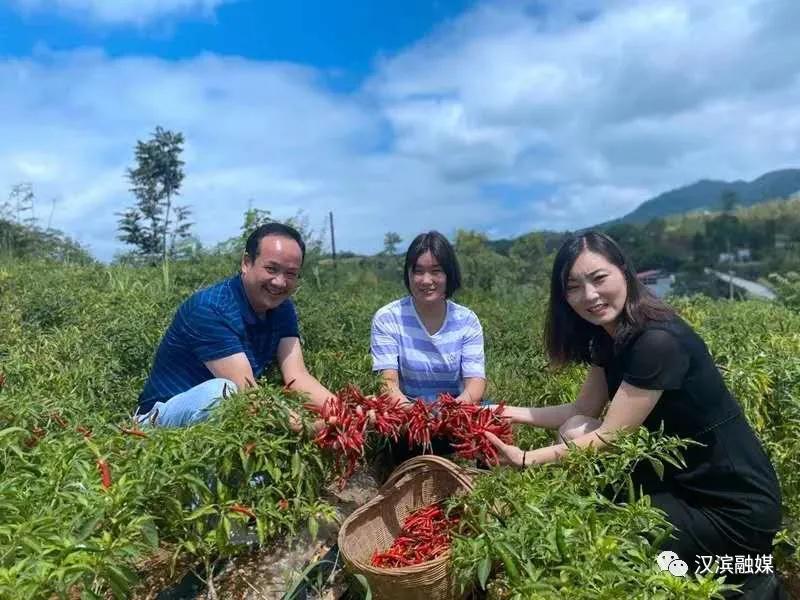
x=425 y=343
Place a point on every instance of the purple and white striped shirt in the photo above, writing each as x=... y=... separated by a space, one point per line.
x=427 y=364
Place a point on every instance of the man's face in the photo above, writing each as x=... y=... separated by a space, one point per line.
x=272 y=276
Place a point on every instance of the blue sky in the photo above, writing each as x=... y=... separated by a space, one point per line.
x=495 y=116
x=345 y=38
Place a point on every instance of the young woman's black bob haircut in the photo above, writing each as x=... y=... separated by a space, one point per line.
x=253 y=243
x=442 y=250
x=568 y=337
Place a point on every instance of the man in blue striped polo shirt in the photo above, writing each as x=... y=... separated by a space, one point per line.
x=223 y=337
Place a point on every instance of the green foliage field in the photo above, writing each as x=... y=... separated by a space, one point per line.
x=75 y=347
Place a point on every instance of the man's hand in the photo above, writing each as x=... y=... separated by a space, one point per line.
x=295 y=422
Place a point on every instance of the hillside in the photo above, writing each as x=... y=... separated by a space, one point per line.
x=707 y=195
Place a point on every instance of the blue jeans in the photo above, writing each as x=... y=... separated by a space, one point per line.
x=191 y=406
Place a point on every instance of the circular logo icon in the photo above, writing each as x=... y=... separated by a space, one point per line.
x=678 y=568
x=665 y=558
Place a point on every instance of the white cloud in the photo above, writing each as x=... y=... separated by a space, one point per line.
x=600 y=104
x=269 y=133
x=121 y=11
x=638 y=96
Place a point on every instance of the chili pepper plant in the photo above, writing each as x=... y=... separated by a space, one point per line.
x=84 y=501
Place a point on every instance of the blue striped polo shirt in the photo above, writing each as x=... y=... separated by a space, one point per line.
x=427 y=364
x=213 y=323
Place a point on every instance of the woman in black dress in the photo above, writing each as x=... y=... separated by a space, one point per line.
x=648 y=367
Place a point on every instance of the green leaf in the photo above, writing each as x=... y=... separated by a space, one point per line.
x=9 y=430
x=201 y=512
x=150 y=533
x=365 y=584
x=658 y=467
x=313 y=526
x=273 y=471
x=119 y=579
x=88 y=528
x=484 y=568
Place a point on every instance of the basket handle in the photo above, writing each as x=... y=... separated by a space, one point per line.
x=419 y=461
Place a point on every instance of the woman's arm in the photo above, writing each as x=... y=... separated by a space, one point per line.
x=391 y=386
x=473 y=362
x=474 y=388
x=591 y=399
x=628 y=410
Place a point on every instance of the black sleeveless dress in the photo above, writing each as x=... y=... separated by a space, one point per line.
x=727 y=499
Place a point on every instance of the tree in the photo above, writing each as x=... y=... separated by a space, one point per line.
x=19 y=206
x=729 y=201
x=253 y=219
x=390 y=242
x=154 y=224
x=528 y=252
x=481 y=268
x=256 y=217
x=655 y=230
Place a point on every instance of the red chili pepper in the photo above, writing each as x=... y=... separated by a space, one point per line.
x=343 y=430
x=87 y=433
x=248 y=448
x=389 y=416
x=346 y=417
x=425 y=535
x=241 y=509
x=133 y=431
x=59 y=419
x=467 y=425
x=283 y=504
x=424 y=423
x=105 y=473
x=37 y=433
x=2 y=380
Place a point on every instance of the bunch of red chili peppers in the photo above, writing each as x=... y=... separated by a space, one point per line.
x=467 y=425
x=344 y=428
x=347 y=416
x=425 y=536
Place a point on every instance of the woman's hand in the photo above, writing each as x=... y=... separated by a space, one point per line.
x=506 y=453
x=403 y=402
x=513 y=413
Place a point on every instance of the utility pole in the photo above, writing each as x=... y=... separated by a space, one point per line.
x=730 y=271
x=52 y=210
x=333 y=240
x=730 y=284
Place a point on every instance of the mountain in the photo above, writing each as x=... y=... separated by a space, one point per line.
x=707 y=194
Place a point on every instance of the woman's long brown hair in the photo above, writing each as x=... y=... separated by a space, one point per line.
x=570 y=338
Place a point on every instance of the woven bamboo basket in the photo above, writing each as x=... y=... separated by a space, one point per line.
x=418 y=482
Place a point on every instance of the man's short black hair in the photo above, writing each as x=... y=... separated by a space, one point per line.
x=442 y=250
x=254 y=239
